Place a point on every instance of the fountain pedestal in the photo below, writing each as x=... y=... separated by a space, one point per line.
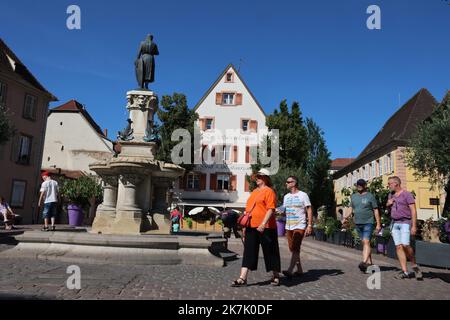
x=130 y=179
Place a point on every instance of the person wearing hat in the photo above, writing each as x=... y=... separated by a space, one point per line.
x=49 y=197
x=262 y=231
x=364 y=208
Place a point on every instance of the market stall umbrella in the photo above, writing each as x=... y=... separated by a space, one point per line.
x=195 y=211
x=237 y=211
x=215 y=210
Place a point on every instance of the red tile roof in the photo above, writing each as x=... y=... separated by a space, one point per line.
x=340 y=163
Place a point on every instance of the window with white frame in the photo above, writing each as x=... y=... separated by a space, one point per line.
x=244 y=125
x=365 y=172
x=193 y=181
x=18 y=194
x=226 y=153
x=223 y=182
x=228 y=98
x=354 y=177
x=209 y=124
x=23 y=155
x=391 y=163
x=374 y=169
x=386 y=164
x=381 y=166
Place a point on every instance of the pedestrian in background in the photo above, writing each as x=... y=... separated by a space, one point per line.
x=49 y=198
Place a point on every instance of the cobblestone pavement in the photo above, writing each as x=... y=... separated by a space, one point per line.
x=331 y=273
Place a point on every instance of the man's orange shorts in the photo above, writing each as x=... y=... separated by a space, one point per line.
x=295 y=238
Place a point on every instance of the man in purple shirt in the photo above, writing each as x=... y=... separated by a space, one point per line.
x=402 y=207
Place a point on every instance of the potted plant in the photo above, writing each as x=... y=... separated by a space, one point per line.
x=381 y=240
x=281 y=224
x=332 y=226
x=189 y=222
x=431 y=251
x=78 y=194
x=319 y=229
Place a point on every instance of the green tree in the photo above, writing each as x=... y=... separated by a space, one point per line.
x=293 y=150
x=6 y=129
x=428 y=150
x=173 y=114
x=317 y=168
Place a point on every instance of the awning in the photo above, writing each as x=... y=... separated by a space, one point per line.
x=211 y=203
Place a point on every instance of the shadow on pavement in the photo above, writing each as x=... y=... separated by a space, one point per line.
x=436 y=275
x=8 y=296
x=309 y=276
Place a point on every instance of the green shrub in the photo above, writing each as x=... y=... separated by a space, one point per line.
x=80 y=191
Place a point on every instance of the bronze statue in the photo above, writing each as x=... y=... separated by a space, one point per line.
x=145 y=62
x=127 y=133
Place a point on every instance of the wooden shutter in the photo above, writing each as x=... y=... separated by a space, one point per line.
x=213 y=181
x=247 y=154
x=246 y=184
x=203 y=182
x=2 y=93
x=235 y=154
x=253 y=125
x=34 y=152
x=218 y=98
x=34 y=108
x=203 y=124
x=238 y=99
x=233 y=183
x=15 y=148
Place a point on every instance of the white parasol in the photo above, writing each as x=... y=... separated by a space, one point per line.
x=215 y=210
x=195 y=211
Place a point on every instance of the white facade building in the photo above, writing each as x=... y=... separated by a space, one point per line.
x=231 y=122
x=73 y=140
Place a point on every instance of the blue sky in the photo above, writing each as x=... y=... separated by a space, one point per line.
x=347 y=78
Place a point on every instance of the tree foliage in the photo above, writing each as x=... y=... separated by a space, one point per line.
x=6 y=128
x=173 y=114
x=428 y=151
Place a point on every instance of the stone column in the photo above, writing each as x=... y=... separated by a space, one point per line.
x=106 y=212
x=128 y=214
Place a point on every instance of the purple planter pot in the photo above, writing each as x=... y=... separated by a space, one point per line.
x=281 y=228
x=76 y=215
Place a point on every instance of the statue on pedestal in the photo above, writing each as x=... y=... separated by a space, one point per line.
x=145 y=62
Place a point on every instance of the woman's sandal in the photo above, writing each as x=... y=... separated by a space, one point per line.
x=239 y=283
x=275 y=281
x=288 y=274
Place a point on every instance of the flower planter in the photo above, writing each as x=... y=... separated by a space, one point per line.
x=281 y=228
x=381 y=245
x=339 y=238
x=433 y=254
x=319 y=234
x=76 y=215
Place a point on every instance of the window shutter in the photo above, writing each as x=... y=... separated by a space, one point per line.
x=34 y=109
x=247 y=154
x=246 y=184
x=253 y=125
x=33 y=153
x=203 y=182
x=213 y=181
x=233 y=183
x=238 y=99
x=2 y=93
x=202 y=124
x=15 y=148
x=218 y=98
x=235 y=154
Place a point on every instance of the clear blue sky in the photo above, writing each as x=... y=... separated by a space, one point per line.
x=320 y=53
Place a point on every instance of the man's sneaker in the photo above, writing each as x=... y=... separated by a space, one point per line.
x=402 y=275
x=45 y=229
x=53 y=228
x=417 y=273
x=363 y=267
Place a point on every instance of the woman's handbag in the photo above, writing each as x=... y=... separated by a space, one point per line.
x=245 y=219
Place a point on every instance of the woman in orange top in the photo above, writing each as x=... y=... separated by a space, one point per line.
x=262 y=231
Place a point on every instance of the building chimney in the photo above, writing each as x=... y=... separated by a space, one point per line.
x=105 y=132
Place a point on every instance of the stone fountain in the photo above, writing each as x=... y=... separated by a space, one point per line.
x=136 y=185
